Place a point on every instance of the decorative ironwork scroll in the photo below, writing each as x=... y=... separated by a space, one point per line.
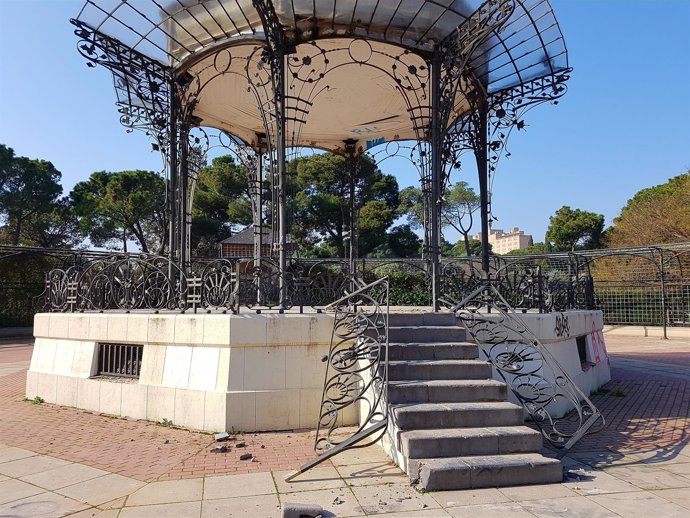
x=536 y=378
x=356 y=373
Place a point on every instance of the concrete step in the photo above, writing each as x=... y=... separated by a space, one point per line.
x=457 y=415
x=446 y=391
x=458 y=442
x=434 y=351
x=485 y=471
x=422 y=319
x=426 y=334
x=439 y=370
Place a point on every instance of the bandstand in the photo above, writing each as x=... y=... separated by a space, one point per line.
x=269 y=81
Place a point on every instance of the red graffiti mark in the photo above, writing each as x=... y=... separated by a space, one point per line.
x=598 y=343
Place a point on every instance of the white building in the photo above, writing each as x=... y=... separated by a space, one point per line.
x=504 y=242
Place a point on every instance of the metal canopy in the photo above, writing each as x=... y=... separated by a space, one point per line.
x=364 y=102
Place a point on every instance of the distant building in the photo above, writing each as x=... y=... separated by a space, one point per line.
x=504 y=242
x=241 y=244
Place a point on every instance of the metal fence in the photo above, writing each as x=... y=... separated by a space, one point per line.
x=634 y=286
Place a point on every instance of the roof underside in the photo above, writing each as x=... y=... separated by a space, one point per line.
x=355 y=99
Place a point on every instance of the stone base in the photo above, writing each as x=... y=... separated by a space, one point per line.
x=215 y=373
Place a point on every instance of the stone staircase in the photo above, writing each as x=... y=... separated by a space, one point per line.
x=451 y=424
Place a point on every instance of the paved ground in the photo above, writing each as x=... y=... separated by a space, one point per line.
x=62 y=461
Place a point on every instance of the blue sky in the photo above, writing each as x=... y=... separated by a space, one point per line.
x=624 y=124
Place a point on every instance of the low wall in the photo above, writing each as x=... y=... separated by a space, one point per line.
x=208 y=372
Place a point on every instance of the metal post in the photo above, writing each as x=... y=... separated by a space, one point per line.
x=182 y=200
x=280 y=158
x=481 y=154
x=172 y=171
x=663 y=292
x=436 y=143
x=258 y=205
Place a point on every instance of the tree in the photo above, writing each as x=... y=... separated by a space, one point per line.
x=460 y=202
x=27 y=187
x=459 y=205
x=119 y=206
x=58 y=228
x=221 y=203
x=460 y=248
x=570 y=228
x=536 y=248
x=403 y=242
x=324 y=184
x=656 y=215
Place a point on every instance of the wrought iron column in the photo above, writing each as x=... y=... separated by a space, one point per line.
x=281 y=170
x=481 y=154
x=172 y=169
x=258 y=206
x=183 y=187
x=435 y=202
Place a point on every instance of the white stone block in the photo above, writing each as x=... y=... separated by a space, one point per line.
x=117 y=327
x=241 y=412
x=79 y=326
x=247 y=330
x=236 y=369
x=152 y=363
x=321 y=328
x=64 y=357
x=67 y=390
x=277 y=410
x=161 y=329
x=59 y=325
x=204 y=368
x=134 y=398
x=41 y=324
x=215 y=408
x=189 y=329
x=217 y=330
x=304 y=368
x=137 y=328
x=160 y=404
x=85 y=362
x=189 y=408
x=290 y=329
x=47 y=387
x=98 y=327
x=223 y=374
x=110 y=400
x=35 y=353
x=178 y=360
x=46 y=355
x=309 y=408
x=88 y=394
x=264 y=368
x=31 y=384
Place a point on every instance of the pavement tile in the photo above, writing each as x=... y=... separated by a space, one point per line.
x=469 y=497
x=538 y=492
x=230 y=486
x=64 y=476
x=392 y=498
x=360 y=456
x=595 y=482
x=44 y=505
x=169 y=491
x=8 y=453
x=509 y=510
x=678 y=469
x=372 y=473
x=103 y=489
x=264 y=506
x=93 y=512
x=11 y=490
x=640 y=505
x=427 y=513
x=570 y=507
x=649 y=477
x=679 y=497
x=28 y=465
x=338 y=502
x=317 y=478
x=176 y=510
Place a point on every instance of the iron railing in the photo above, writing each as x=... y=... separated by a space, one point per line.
x=121 y=360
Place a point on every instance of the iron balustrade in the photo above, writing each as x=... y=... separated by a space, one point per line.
x=120 y=360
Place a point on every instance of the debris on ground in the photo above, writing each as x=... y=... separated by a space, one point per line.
x=246 y=456
x=220 y=449
x=302 y=510
x=167 y=441
x=240 y=445
x=338 y=501
x=221 y=437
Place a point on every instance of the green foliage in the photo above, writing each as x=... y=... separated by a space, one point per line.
x=570 y=228
x=407 y=288
x=460 y=248
x=403 y=242
x=325 y=184
x=537 y=248
x=116 y=206
x=656 y=215
x=29 y=190
x=38 y=400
